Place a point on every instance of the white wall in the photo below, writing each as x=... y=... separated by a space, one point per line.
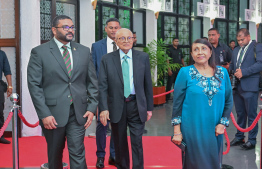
x=30 y=37
x=87 y=23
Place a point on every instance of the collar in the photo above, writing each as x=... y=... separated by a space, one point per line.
x=109 y=41
x=59 y=44
x=122 y=54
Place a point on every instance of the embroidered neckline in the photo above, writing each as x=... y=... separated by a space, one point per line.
x=210 y=85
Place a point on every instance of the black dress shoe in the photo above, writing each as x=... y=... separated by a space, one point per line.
x=248 y=146
x=145 y=131
x=4 y=141
x=100 y=162
x=236 y=142
x=112 y=161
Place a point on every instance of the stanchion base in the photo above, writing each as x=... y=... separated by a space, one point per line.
x=225 y=166
x=45 y=166
x=92 y=135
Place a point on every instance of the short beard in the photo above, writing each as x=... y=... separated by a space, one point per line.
x=64 y=37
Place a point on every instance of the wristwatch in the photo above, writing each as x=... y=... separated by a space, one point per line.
x=10 y=87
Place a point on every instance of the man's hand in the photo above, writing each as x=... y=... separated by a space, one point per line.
x=89 y=120
x=238 y=73
x=104 y=116
x=149 y=115
x=169 y=72
x=9 y=91
x=226 y=66
x=219 y=129
x=49 y=122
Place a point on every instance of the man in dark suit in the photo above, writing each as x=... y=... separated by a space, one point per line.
x=63 y=86
x=246 y=67
x=4 y=68
x=125 y=79
x=99 y=49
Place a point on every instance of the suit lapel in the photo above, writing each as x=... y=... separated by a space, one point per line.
x=135 y=59
x=248 y=50
x=75 y=54
x=104 y=47
x=57 y=55
x=117 y=62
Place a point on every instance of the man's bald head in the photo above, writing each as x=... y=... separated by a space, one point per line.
x=124 y=39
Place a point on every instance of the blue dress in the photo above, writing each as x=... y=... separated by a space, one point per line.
x=201 y=103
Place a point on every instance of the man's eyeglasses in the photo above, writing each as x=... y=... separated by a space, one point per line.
x=123 y=39
x=66 y=28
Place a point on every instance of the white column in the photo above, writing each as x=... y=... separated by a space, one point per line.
x=87 y=23
x=151 y=31
x=253 y=30
x=30 y=38
x=206 y=26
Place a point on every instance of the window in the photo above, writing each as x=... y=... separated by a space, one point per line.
x=123 y=10
x=49 y=9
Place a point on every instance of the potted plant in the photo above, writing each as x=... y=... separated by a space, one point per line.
x=160 y=62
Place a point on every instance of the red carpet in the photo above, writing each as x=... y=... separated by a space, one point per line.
x=159 y=152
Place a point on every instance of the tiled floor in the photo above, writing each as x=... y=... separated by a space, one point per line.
x=160 y=125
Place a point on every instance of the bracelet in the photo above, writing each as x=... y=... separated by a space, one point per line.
x=177 y=134
x=10 y=87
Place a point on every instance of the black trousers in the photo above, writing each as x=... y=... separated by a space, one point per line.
x=55 y=138
x=2 y=103
x=130 y=117
x=170 y=81
x=246 y=109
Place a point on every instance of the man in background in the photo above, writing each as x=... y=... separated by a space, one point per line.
x=222 y=51
x=232 y=45
x=177 y=57
x=4 y=68
x=99 y=49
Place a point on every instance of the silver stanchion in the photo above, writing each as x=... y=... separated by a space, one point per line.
x=15 y=98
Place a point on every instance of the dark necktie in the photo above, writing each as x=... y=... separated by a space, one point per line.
x=114 y=46
x=240 y=57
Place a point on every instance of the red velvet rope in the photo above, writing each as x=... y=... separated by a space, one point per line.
x=25 y=122
x=249 y=128
x=163 y=94
x=228 y=143
x=9 y=117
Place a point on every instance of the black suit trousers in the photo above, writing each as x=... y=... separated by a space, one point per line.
x=130 y=117
x=246 y=109
x=2 y=103
x=55 y=138
x=170 y=81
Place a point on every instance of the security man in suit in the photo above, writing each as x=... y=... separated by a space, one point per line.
x=99 y=49
x=63 y=85
x=246 y=67
x=125 y=79
x=4 y=68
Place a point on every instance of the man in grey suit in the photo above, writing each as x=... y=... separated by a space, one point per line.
x=63 y=85
x=246 y=65
x=125 y=79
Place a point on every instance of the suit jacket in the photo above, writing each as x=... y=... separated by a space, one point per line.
x=98 y=50
x=111 y=85
x=250 y=67
x=50 y=85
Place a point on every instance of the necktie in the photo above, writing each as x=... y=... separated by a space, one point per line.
x=240 y=57
x=67 y=60
x=125 y=71
x=114 y=46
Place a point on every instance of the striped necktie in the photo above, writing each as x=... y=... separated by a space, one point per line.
x=240 y=58
x=67 y=60
x=114 y=46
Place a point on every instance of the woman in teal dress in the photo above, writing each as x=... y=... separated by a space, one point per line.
x=202 y=104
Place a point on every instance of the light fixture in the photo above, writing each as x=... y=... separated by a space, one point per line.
x=94 y=3
x=157 y=14
x=212 y=21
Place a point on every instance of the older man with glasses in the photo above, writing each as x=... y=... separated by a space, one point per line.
x=125 y=79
